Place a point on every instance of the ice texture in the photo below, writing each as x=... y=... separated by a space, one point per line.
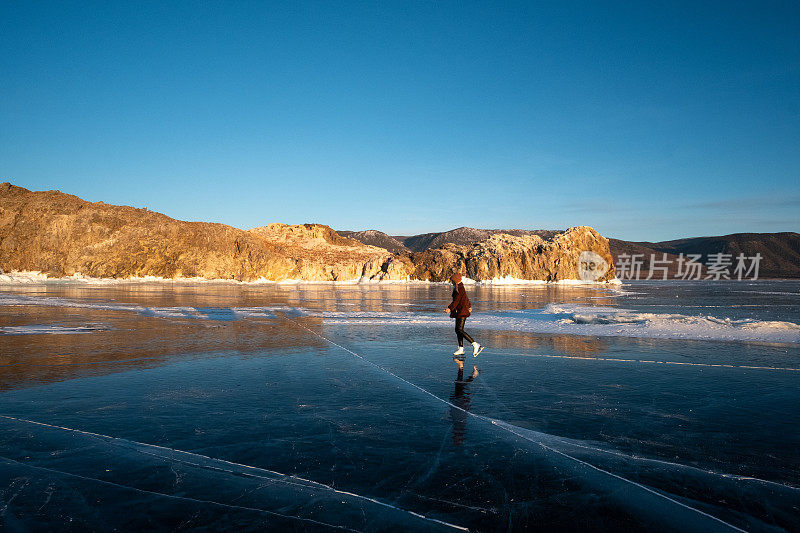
x=340 y=408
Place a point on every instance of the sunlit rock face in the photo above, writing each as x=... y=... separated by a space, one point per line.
x=528 y=257
x=320 y=254
x=60 y=235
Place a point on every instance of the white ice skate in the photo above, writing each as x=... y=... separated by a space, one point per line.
x=460 y=351
x=476 y=349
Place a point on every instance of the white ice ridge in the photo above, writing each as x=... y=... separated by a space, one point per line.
x=707 y=520
x=610 y=321
x=570 y=319
x=30 y=277
x=186 y=457
x=517 y=281
x=207 y=313
x=560 y=319
x=38 y=329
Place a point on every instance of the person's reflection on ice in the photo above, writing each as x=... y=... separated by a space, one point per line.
x=461 y=400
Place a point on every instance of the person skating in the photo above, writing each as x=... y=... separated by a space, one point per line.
x=460 y=309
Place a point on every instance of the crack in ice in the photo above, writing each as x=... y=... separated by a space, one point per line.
x=295 y=480
x=507 y=427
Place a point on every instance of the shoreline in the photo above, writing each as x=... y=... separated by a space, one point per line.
x=34 y=277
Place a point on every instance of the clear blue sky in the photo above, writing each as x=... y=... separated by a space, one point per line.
x=646 y=120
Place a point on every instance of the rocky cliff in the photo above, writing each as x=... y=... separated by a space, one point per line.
x=528 y=257
x=61 y=235
x=321 y=254
x=780 y=252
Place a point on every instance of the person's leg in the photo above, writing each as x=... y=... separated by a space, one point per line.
x=461 y=333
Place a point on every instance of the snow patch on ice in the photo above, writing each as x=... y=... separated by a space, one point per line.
x=518 y=281
x=22 y=278
x=609 y=315
x=40 y=329
x=609 y=321
x=560 y=319
x=570 y=319
x=204 y=313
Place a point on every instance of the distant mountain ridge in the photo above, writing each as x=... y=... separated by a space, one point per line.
x=59 y=235
x=62 y=235
x=376 y=238
x=780 y=252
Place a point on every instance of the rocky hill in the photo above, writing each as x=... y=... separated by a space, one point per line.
x=646 y=254
x=780 y=252
x=61 y=235
x=503 y=255
x=464 y=236
x=376 y=238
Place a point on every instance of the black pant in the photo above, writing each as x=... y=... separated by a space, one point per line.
x=460 y=333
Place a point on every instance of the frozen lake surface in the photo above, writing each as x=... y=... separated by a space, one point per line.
x=171 y=406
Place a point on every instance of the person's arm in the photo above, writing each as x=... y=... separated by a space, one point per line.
x=456 y=301
x=462 y=295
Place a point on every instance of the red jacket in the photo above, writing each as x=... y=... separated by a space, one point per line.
x=460 y=306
